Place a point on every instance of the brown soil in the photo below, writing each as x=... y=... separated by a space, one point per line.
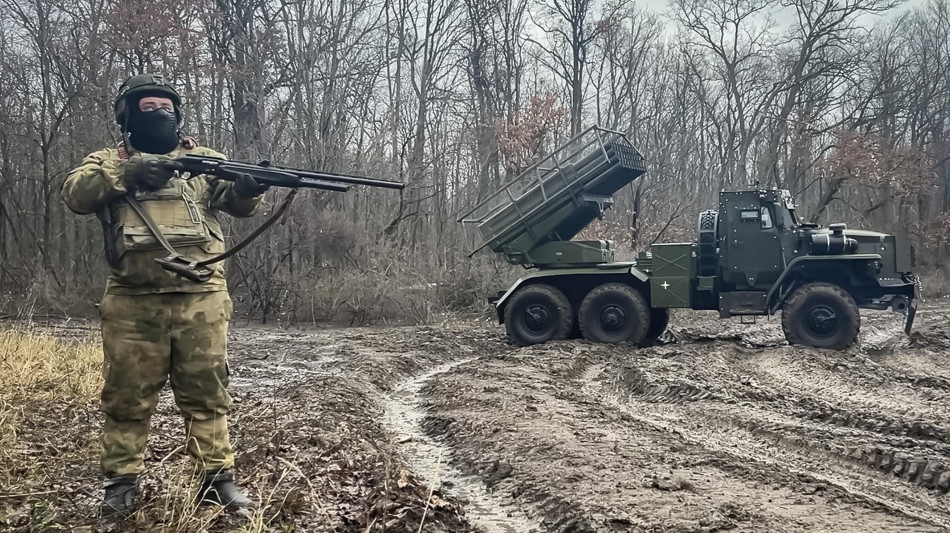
x=726 y=427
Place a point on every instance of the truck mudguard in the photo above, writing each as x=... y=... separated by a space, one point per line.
x=798 y=261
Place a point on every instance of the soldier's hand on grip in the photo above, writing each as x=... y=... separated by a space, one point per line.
x=149 y=172
x=248 y=187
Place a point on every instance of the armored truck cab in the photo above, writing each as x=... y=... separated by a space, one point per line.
x=752 y=256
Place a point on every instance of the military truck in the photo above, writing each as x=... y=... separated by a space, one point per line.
x=751 y=257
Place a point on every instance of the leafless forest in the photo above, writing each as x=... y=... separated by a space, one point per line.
x=844 y=102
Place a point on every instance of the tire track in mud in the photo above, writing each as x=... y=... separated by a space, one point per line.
x=405 y=417
x=774 y=431
x=587 y=465
x=887 y=423
x=891 y=397
x=854 y=382
x=509 y=473
x=890 y=430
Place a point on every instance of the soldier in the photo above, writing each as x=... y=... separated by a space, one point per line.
x=156 y=325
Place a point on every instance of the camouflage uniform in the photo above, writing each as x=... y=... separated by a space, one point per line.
x=156 y=325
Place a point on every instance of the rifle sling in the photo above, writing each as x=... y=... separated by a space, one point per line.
x=279 y=212
x=196 y=270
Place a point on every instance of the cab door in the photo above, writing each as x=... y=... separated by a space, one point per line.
x=751 y=250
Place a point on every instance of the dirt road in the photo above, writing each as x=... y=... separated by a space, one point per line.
x=725 y=428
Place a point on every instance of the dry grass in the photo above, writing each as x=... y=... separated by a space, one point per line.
x=43 y=368
x=175 y=506
x=378 y=290
x=38 y=368
x=44 y=379
x=44 y=382
x=935 y=284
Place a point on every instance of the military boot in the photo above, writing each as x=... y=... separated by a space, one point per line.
x=218 y=488
x=120 y=495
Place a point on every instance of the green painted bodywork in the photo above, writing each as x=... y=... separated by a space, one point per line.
x=670 y=292
x=670 y=280
x=568 y=254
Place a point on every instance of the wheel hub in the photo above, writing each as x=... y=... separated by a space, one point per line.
x=612 y=318
x=537 y=318
x=822 y=321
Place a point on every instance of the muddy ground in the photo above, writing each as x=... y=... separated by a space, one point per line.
x=724 y=427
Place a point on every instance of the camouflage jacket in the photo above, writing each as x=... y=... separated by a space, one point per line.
x=186 y=211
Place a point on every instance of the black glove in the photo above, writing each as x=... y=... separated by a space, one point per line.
x=248 y=187
x=148 y=172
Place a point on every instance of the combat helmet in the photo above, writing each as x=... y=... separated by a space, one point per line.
x=141 y=85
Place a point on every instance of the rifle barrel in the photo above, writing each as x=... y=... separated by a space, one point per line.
x=347 y=178
x=270 y=175
x=311 y=183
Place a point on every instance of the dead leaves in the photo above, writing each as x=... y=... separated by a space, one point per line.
x=403 y=506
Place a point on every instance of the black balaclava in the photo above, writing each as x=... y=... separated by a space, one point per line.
x=154 y=132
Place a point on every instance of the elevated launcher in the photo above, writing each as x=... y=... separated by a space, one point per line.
x=532 y=219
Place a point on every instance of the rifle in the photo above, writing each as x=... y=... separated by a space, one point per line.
x=267 y=174
x=263 y=173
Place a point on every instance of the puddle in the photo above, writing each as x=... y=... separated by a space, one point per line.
x=429 y=459
x=281 y=371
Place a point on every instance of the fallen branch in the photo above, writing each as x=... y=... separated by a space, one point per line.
x=26 y=495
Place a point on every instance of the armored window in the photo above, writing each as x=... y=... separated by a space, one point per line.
x=766 y=218
x=747 y=215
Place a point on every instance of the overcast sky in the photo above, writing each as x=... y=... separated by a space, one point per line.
x=662 y=6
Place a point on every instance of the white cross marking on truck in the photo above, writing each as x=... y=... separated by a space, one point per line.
x=665 y=285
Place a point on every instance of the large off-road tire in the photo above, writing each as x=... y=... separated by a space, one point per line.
x=537 y=314
x=614 y=312
x=659 y=320
x=821 y=315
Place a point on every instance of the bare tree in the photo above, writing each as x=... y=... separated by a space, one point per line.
x=431 y=33
x=570 y=30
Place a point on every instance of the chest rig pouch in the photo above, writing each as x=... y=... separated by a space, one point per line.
x=181 y=220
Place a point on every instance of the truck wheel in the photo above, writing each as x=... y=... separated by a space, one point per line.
x=538 y=313
x=821 y=315
x=659 y=320
x=613 y=313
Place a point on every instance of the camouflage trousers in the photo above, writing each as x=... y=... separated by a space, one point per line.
x=148 y=339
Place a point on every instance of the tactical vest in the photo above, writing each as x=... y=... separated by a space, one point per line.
x=183 y=213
